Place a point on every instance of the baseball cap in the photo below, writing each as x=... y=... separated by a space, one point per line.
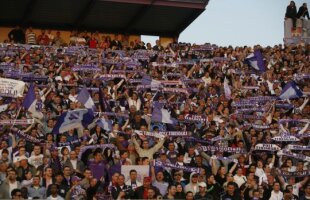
x=202 y=184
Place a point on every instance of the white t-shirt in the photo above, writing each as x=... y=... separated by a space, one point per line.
x=206 y=80
x=136 y=103
x=261 y=175
x=239 y=180
x=55 y=198
x=292 y=169
x=74 y=163
x=12 y=187
x=296 y=188
x=73 y=98
x=276 y=196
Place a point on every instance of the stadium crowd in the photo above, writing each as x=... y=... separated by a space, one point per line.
x=103 y=118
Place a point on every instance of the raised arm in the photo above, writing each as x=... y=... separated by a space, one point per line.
x=111 y=69
x=304 y=129
x=135 y=142
x=300 y=108
x=282 y=181
x=59 y=69
x=214 y=167
x=232 y=169
x=14 y=144
x=158 y=145
x=119 y=84
x=304 y=181
x=125 y=125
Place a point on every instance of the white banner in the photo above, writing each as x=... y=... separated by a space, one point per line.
x=285 y=138
x=17 y=121
x=142 y=171
x=11 y=87
x=267 y=147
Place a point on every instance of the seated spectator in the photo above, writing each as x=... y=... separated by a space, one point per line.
x=303 y=12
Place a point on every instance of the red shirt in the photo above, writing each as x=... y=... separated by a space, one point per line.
x=93 y=43
x=145 y=193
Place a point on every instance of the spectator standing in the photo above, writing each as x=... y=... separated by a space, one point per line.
x=58 y=40
x=231 y=193
x=276 y=193
x=36 y=190
x=43 y=38
x=9 y=185
x=31 y=37
x=50 y=36
x=17 y=35
x=54 y=193
x=16 y=194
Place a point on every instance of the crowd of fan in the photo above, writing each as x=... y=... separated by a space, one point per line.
x=47 y=170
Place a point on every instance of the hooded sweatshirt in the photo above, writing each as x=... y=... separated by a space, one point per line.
x=193 y=187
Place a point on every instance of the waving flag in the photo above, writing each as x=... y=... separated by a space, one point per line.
x=104 y=123
x=73 y=119
x=161 y=114
x=227 y=89
x=30 y=102
x=85 y=98
x=256 y=60
x=290 y=91
x=147 y=80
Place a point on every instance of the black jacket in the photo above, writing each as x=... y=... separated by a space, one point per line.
x=303 y=12
x=17 y=35
x=140 y=190
x=291 y=12
x=127 y=189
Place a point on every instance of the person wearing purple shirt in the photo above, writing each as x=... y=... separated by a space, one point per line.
x=98 y=166
x=172 y=153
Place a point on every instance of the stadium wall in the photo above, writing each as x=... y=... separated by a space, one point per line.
x=4 y=31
